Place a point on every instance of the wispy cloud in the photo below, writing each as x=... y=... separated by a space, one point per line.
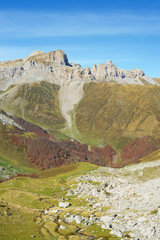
x=19 y=24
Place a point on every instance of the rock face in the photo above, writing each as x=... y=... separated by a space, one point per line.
x=54 y=57
x=109 y=72
x=54 y=67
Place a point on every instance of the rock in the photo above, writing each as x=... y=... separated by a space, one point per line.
x=78 y=219
x=98 y=204
x=46 y=212
x=52 y=219
x=88 y=223
x=70 y=193
x=106 y=221
x=6 y=120
x=103 y=195
x=62 y=227
x=54 y=211
x=141 y=219
x=64 y=204
x=104 y=185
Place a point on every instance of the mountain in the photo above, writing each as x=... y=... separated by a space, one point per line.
x=99 y=106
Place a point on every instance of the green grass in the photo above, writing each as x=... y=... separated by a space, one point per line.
x=27 y=198
x=49 y=183
x=98 y=232
x=18 y=223
x=11 y=169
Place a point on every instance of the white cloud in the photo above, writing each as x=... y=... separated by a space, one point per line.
x=19 y=24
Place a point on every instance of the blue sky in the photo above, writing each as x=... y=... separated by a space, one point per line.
x=126 y=32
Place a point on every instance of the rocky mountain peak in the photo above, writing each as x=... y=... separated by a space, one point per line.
x=54 y=57
x=59 y=57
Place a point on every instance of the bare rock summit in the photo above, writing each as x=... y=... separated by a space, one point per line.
x=54 y=67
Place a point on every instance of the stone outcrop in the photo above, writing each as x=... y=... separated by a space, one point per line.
x=109 y=72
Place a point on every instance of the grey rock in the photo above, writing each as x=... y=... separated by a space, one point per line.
x=62 y=227
x=78 y=219
x=64 y=204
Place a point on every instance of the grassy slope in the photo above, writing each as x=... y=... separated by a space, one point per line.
x=24 y=199
x=116 y=114
x=37 y=103
x=107 y=114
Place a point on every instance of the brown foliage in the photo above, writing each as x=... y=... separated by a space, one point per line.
x=138 y=149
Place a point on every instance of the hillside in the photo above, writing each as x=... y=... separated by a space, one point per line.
x=117 y=114
x=35 y=102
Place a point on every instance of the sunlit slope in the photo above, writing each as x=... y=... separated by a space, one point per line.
x=36 y=102
x=116 y=114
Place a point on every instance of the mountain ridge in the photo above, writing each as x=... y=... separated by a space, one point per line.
x=55 y=67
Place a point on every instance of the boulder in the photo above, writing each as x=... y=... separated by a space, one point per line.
x=64 y=204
